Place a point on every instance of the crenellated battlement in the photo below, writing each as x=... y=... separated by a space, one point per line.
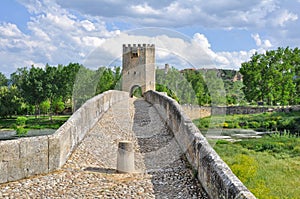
x=130 y=47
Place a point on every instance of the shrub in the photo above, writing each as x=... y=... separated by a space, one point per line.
x=225 y=125
x=254 y=125
x=245 y=167
x=19 y=127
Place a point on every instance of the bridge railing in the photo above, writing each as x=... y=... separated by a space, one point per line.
x=212 y=172
x=30 y=156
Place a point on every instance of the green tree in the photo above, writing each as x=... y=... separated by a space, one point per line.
x=58 y=106
x=3 y=80
x=234 y=92
x=272 y=77
x=10 y=102
x=106 y=81
x=215 y=87
x=45 y=106
x=175 y=81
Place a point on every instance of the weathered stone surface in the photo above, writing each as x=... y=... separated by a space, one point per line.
x=34 y=155
x=138 y=65
x=9 y=150
x=4 y=172
x=215 y=176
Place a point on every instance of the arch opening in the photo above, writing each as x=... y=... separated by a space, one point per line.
x=136 y=91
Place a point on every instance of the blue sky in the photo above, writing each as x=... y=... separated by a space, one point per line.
x=187 y=33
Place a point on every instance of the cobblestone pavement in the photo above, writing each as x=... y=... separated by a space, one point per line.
x=162 y=171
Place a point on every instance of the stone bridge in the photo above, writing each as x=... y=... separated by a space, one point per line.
x=172 y=158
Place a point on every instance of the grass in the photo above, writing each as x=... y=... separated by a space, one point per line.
x=277 y=121
x=42 y=122
x=269 y=167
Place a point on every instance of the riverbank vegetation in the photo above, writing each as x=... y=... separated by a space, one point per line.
x=277 y=121
x=269 y=167
x=43 y=122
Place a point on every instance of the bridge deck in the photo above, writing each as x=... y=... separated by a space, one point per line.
x=162 y=171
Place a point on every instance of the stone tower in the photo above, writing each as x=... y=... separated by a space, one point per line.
x=138 y=67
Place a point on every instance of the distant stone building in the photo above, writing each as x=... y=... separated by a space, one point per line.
x=138 y=67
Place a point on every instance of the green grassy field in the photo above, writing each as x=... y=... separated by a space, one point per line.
x=269 y=166
x=42 y=122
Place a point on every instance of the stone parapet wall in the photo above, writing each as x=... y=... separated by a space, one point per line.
x=212 y=172
x=27 y=157
x=196 y=112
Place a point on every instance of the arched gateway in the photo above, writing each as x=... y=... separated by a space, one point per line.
x=138 y=67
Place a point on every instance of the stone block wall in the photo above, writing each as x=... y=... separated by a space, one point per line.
x=27 y=157
x=212 y=172
x=196 y=112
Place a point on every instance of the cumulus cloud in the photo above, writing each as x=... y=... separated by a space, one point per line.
x=171 y=48
x=55 y=36
x=265 y=44
x=63 y=31
x=276 y=18
x=177 y=13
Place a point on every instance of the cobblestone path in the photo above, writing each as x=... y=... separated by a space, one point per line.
x=162 y=171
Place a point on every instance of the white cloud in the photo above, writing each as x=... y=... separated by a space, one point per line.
x=10 y=30
x=87 y=25
x=170 y=48
x=58 y=36
x=256 y=39
x=178 y=13
x=265 y=44
x=144 y=9
x=284 y=17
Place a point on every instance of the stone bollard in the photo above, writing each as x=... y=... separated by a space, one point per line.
x=125 y=158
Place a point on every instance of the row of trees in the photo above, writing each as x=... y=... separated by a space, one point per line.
x=201 y=87
x=53 y=89
x=35 y=90
x=274 y=77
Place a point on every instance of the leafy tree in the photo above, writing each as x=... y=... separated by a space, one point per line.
x=272 y=77
x=106 y=80
x=178 y=84
x=58 y=106
x=85 y=86
x=45 y=106
x=10 y=101
x=234 y=92
x=215 y=87
x=3 y=80
x=19 y=127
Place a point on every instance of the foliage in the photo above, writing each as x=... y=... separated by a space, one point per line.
x=3 y=80
x=176 y=84
x=276 y=121
x=19 y=127
x=273 y=77
x=10 y=101
x=137 y=92
x=58 y=105
x=260 y=169
x=165 y=89
x=32 y=123
x=45 y=106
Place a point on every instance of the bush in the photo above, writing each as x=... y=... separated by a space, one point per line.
x=19 y=127
x=254 y=125
x=245 y=167
x=21 y=121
